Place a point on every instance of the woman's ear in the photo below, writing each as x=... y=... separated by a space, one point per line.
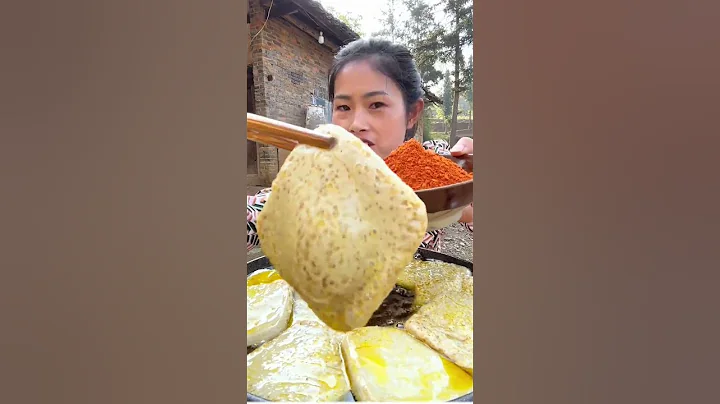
x=415 y=113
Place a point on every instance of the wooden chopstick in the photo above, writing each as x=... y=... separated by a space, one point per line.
x=284 y=135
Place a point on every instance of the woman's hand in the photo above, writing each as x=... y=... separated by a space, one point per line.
x=462 y=147
x=467 y=215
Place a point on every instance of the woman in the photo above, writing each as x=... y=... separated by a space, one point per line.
x=376 y=94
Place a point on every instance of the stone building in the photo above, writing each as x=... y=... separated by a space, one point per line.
x=287 y=71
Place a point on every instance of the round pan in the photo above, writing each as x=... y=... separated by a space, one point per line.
x=424 y=254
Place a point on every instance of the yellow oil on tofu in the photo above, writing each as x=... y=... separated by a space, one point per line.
x=263 y=276
x=388 y=364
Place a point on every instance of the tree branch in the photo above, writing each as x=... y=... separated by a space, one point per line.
x=432 y=97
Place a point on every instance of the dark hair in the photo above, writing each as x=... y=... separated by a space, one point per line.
x=392 y=60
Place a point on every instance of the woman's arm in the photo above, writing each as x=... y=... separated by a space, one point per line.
x=255 y=204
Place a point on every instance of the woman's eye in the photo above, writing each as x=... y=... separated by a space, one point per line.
x=342 y=108
x=376 y=105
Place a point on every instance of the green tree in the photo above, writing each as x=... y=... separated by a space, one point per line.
x=392 y=29
x=460 y=36
x=351 y=20
x=433 y=111
x=469 y=82
x=448 y=42
x=418 y=29
x=426 y=126
x=414 y=28
x=447 y=96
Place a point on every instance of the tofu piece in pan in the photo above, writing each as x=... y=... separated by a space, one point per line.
x=269 y=306
x=387 y=364
x=446 y=325
x=303 y=364
x=429 y=279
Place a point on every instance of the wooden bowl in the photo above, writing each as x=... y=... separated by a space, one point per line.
x=446 y=198
x=444 y=205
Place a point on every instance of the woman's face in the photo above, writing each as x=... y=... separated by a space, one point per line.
x=370 y=105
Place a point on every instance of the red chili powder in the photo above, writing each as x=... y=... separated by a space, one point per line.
x=423 y=169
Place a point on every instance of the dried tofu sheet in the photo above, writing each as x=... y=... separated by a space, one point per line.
x=387 y=364
x=303 y=364
x=302 y=312
x=430 y=279
x=269 y=307
x=339 y=227
x=446 y=325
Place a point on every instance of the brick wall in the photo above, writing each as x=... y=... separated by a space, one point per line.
x=289 y=66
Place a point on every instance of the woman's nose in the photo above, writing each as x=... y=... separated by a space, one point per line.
x=358 y=123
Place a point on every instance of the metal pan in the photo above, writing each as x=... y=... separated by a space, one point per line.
x=423 y=254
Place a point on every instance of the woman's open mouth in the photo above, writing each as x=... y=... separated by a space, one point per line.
x=367 y=142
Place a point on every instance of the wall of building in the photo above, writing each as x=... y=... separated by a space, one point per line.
x=289 y=67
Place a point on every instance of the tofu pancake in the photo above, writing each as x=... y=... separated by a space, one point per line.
x=429 y=279
x=269 y=306
x=303 y=364
x=387 y=364
x=301 y=311
x=340 y=227
x=446 y=325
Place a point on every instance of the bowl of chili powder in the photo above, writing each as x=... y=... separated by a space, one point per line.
x=439 y=181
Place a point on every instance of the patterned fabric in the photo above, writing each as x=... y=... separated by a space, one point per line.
x=437 y=146
x=255 y=203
